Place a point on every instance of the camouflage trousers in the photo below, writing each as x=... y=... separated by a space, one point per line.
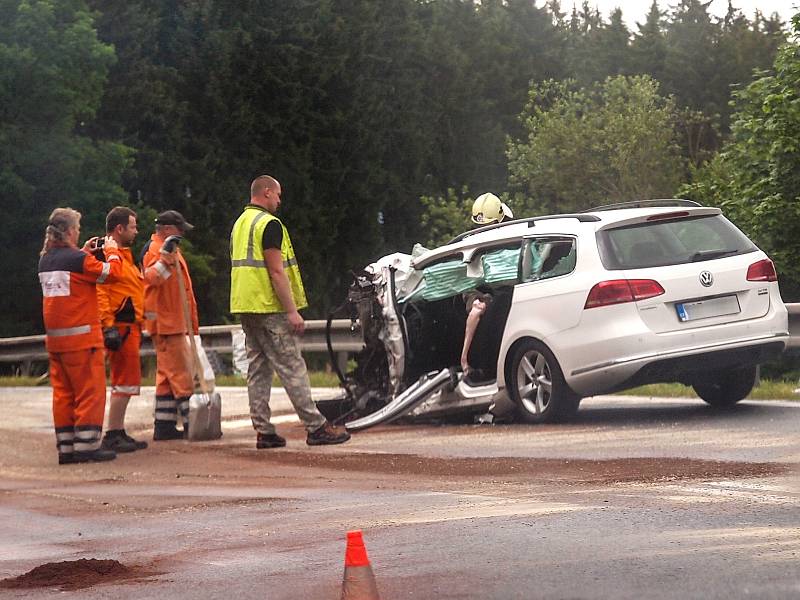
x=273 y=348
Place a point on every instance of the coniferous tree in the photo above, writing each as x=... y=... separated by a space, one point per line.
x=585 y=63
x=649 y=47
x=613 y=44
x=691 y=63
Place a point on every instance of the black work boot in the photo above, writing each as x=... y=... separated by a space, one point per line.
x=115 y=440
x=269 y=440
x=166 y=430
x=326 y=435
x=66 y=458
x=140 y=444
x=99 y=455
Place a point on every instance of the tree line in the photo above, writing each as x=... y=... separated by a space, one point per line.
x=381 y=119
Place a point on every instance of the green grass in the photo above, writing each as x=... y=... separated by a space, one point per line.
x=21 y=381
x=318 y=379
x=661 y=390
x=767 y=390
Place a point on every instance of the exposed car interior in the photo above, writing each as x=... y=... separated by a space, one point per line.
x=436 y=333
x=436 y=316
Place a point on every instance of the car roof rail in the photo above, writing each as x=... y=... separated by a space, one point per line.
x=645 y=204
x=531 y=221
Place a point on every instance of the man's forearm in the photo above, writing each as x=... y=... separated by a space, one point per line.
x=280 y=283
x=157 y=273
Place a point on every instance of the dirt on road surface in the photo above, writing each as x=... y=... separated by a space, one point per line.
x=76 y=574
x=236 y=456
x=618 y=504
x=234 y=463
x=551 y=470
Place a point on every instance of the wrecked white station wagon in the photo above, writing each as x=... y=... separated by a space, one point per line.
x=582 y=304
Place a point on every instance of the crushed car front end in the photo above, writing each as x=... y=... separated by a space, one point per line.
x=412 y=321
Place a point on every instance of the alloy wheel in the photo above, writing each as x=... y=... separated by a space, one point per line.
x=534 y=382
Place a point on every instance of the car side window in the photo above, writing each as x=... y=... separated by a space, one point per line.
x=544 y=258
x=501 y=265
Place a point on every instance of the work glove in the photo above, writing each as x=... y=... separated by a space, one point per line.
x=171 y=244
x=111 y=338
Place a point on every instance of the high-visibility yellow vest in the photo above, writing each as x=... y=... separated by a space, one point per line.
x=251 y=286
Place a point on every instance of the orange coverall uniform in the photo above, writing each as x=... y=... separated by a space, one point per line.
x=74 y=343
x=165 y=321
x=121 y=305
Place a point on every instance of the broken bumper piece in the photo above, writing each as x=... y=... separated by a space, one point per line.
x=425 y=386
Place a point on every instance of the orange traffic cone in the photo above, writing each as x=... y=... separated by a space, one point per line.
x=359 y=581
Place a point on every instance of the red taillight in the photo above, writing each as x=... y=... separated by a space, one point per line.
x=762 y=270
x=645 y=288
x=618 y=291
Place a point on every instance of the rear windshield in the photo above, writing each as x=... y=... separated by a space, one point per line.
x=679 y=241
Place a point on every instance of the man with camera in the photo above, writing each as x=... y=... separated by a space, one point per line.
x=121 y=308
x=166 y=323
x=69 y=276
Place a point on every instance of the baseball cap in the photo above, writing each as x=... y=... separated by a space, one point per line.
x=173 y=217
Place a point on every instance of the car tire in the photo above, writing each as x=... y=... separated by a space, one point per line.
x=723 y=389
x=536 y=385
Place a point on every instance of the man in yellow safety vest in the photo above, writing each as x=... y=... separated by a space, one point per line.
x=267 y=293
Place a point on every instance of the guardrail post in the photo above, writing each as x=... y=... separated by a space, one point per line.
x=341 y=361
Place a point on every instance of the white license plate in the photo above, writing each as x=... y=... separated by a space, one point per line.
x=703 y=309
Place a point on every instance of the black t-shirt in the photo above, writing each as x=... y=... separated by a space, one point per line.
x=273 y=235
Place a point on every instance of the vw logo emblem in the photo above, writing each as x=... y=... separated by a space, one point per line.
x=706 y=279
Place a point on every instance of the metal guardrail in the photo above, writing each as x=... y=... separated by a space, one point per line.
x=30 y=349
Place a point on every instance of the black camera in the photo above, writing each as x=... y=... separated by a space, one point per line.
x=171 y=243
x=100 y=242
x=112 y=339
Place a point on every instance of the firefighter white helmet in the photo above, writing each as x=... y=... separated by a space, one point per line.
x=488 y=209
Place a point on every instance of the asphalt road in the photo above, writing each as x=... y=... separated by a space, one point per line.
x=638 y=498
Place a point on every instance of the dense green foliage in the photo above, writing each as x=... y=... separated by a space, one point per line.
x=444 y=217
x=53 y=73
x=614 y=140
x=381 y=118
x=756 y=177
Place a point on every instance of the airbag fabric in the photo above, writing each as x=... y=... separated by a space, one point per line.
x=447 y=279
x=500 y=265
